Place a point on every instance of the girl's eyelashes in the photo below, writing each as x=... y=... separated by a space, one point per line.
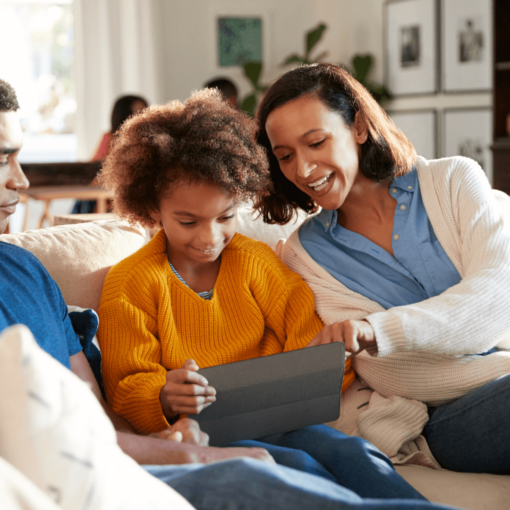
x=317 y=144
x=191 y=223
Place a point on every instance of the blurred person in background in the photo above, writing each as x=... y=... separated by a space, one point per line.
x=124 y=107
x=227 y=89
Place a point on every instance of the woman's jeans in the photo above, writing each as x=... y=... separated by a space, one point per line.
x=248 y=484
x=472 y=434
x=349 y=461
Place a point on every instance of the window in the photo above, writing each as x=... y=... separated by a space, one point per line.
x=37 y=41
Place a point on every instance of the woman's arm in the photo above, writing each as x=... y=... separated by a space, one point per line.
x=472 y=316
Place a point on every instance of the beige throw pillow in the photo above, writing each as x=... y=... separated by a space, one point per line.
x=78 y=257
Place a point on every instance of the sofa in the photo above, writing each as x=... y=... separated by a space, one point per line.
x=79 y=257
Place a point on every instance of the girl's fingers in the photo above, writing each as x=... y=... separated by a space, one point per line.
x=190 y=364
x=187 y=409
x=191 y=401
x=185 y=376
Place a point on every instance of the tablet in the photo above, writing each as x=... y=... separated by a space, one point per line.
x=273 y=394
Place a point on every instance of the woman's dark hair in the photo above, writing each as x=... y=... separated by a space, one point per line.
x=122 y=110
x=386 y=152
x=202 y=140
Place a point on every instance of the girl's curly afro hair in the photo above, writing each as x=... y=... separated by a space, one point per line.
x=201 y=140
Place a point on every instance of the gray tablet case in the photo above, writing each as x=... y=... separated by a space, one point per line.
x=273 y=394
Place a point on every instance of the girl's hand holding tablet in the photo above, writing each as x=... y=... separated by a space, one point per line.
x=185 y=391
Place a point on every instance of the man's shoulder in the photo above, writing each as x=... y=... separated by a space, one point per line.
x=12 y=253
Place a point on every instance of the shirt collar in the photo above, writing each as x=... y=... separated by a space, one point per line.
x=327 y=219
x=407 y=182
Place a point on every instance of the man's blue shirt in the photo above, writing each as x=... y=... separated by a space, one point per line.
x=30 y=296
x=420 y=269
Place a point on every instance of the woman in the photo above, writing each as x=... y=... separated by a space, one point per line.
x=124 y=107
x=410 y=257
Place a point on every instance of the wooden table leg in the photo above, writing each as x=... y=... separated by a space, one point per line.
x=47 y=214
x=25 y=219
x=101 y=205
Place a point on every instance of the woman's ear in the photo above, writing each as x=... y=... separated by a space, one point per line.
x=360 y=129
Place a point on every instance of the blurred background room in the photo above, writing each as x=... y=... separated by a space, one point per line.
x=440 y=68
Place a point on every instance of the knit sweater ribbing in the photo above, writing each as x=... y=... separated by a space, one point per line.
x=425 y=349
x=151 y=322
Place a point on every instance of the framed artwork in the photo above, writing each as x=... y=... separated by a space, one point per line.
x=239 y=39
x=411 y=47
x=467 y=45
x=420 y=126
x=468 y=132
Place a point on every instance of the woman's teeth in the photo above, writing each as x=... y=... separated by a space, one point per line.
x=320 y=185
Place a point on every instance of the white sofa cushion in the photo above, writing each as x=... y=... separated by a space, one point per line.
x=250 y=224
x=78 y=257
x=55 y=432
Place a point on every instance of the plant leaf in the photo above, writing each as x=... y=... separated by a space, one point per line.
x=249 y=104
x=313 y=36
x=319 y=57
x=252 y=70
x=362 y=64
x=294 y=58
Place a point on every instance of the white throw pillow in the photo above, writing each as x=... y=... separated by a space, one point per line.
x=17 y=492
x=250 y=224
x=78 y=257
x=67 y=445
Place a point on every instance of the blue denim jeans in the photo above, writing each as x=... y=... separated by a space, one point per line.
x=472 y=434
x=248 y=484
x=349 y=461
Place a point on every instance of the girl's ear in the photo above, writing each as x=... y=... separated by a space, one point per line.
x=156 y=216
x=360 y=130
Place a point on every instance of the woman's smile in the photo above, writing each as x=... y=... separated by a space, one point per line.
x=316 y=149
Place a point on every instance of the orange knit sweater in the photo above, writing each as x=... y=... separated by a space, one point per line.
x=150 y=322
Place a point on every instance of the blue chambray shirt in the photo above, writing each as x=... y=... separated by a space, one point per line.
x=419 y=270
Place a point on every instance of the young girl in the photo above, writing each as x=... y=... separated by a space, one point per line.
x=199 y=294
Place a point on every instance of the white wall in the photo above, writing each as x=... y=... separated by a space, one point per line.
x=184 y=35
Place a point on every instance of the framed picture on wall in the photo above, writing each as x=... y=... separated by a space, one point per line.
x=468 y=132
x=420 y=126
x=467 y=45
x=239 y=39
x=411 y=47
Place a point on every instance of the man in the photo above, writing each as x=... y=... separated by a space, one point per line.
x=28 y=295
x=226 y=87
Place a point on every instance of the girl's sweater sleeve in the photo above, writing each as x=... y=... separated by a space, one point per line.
x=287 y=303
x=132 y=371
x=472 y=316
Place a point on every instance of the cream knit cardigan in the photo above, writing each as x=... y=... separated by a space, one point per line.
x=424 y=349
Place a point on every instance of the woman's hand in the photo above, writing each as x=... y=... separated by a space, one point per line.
x=185 y=391
x=356 y=335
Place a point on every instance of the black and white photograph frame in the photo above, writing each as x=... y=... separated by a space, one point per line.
x=467 y=45
x=468 y=132
x=420 y=126
x=411 y=47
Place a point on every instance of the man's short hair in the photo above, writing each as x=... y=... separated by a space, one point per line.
x=8 y=99
x=224 y=85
